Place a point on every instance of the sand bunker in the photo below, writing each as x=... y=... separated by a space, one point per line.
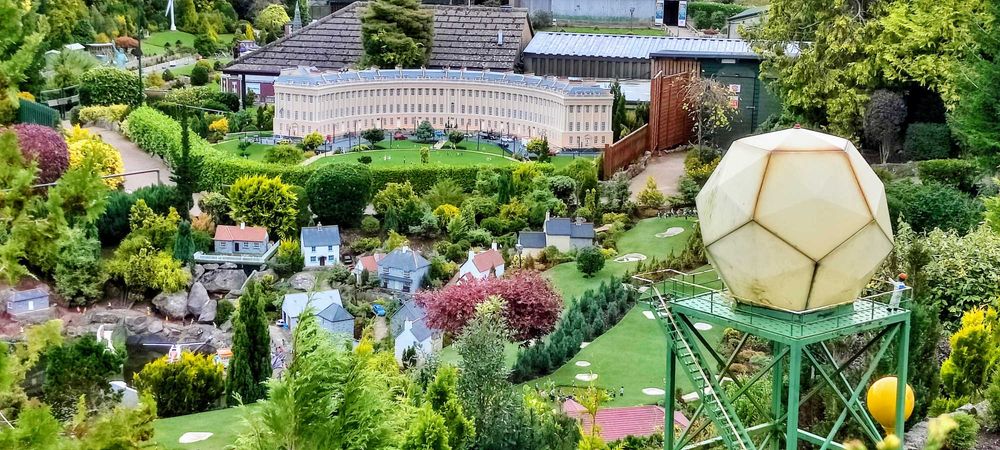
x=586 y=376
x=653 y=391
x=583 y=363
x=672 y=231
x=192 y=437
x=630 y=257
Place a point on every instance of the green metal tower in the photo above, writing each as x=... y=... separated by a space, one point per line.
x=801 y=346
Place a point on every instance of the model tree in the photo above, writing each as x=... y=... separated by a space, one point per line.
x=187 y=168
x=540 y=147
x=312 y=141
x=272 y=19
x=590 y=260
x=531 y=309
x=707 y=102
x=884 y=119
x=339 y=193
x=425 y=132
x=373 y=136
x=454 y=138
x=651 y=197
x=262 y=201
x=396 y=33
x=251 y=363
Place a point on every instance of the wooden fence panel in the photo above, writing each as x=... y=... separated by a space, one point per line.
x=625 y=151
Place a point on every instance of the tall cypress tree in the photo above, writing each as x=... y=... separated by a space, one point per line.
x=975 y=118
x=251 y=363
x=184 y=243
x=186 y=169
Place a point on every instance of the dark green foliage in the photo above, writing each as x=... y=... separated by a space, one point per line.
x=288 y=259
x=184 y=243
x=251 y=362
x=594 y=313
x=927 y=141
x=589 y=260
x=712 y=15
x=373 y=135
x=112 y=227
x=304 y=218
x=931 y=205
x=976 y=117
x=339 y=193
x=617 y=111
x=168 y=75
x=424 y=132
x=81 y=367
x=79 y=277
x=186 y=168
x=110 y=86
x=199 y=75
x=396 y=32
x=370 y=225
x=960 y=174
x=224 y=311
x=204 y=45
x=993 y=397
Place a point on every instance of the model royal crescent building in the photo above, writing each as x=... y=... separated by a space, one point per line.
x=570 y=114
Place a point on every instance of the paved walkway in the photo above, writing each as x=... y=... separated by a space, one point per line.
x=665 y=169
x=135 y=159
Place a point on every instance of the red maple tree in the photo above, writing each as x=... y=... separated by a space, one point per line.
x=531 y=305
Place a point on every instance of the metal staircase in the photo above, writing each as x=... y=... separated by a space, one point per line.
x=716 y=404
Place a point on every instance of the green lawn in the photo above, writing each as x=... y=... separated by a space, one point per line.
x=186 y=70
x=639 y=31
x=640 y=239
x=256 y=150
x=224 y=423
x=155 y=43
x=632 y=354
x=408 y=152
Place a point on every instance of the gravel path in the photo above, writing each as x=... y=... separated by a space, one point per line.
x=665 y=169
x=134 y=159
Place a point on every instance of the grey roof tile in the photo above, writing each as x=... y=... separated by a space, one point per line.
x=463 y=37
x=531 y=239
x=320 y=236
x=404 y=259
x=335 y=313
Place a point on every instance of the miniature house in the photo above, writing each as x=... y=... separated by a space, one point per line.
x=241 y=239
x=320 y=245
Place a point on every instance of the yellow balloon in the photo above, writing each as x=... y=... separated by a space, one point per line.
x=882 y=403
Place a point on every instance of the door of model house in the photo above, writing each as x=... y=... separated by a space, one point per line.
x=236 y=247
x=322 y=260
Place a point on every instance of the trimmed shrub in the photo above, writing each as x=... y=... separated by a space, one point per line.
x=339 y=193
x=110 y=86
x=154 y=132
x=964 y=436
x=99 y=113
x=44 y=146
x=589 y=261
x=113 y=226
x=283 y=154
x=109 y=160
x=199 y=75
x=370 y=225
x=961 y=174
x=289 y=258
x=927 y=141
x=932 y=205
x=194 y=383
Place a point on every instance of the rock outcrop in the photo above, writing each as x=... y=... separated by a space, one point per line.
x=197 y=299
x=173 y=305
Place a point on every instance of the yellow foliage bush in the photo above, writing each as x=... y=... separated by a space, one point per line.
x=110 y=113
x=83 y=144
x=26 y=95
x=220 y=126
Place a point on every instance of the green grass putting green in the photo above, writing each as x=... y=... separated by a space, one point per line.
x=155 y=44
x=638 y=31
x=632 y=355
x=571 y=283
x=224 y=424
x=186 y=70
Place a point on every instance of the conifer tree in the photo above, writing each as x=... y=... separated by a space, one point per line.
x=251 y=362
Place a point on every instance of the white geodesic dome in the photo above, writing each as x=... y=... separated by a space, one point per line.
x=794 y=220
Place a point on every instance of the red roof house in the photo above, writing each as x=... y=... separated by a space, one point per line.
x=240 y=239
x=481 y=266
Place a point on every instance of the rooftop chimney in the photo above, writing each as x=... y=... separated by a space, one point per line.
x=494 y=245
x=243 y=225
x=500 y=37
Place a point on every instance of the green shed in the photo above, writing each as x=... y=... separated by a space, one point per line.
x=734 y=64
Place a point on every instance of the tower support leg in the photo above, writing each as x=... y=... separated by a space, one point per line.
x=670 y=387
x=902 y=359
x=794 y=380
x=777 y=388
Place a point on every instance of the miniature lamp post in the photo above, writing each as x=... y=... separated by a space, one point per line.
x=881 y=402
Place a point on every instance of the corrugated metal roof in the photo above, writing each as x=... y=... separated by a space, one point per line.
x=594 y=45
x=636 y=47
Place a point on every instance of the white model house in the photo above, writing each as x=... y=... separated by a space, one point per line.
x=481 y=265
x=320 y=245
x=327 y=306
x=409 y=327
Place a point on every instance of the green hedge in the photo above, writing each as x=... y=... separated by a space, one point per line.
x=712 y=15
x=110 y=86
x=157 y=133
x=957 y=173
x=927 y=141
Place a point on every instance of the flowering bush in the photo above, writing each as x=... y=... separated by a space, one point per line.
x=83 y=144
x=220 y=126
x=44 y=146
x=109 y=114
x=531 y=306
